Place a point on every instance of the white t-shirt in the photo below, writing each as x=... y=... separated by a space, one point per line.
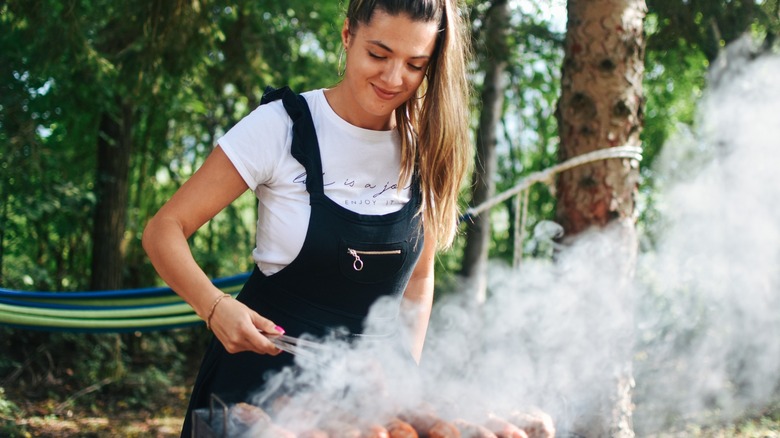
x=360 y=172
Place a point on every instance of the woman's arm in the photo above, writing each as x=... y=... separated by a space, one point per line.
x=418 y=297
x=215 y=185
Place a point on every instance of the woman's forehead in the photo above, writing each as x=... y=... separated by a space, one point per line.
x=399 y=33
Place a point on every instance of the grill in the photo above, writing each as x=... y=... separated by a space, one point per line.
x=293 y=407
x=222 y=421
x=212 y=422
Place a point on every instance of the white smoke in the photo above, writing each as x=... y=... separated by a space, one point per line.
x=710 y=317
x=698 y=325
x=550 y=336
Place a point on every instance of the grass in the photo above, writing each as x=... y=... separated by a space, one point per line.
x=766 y=425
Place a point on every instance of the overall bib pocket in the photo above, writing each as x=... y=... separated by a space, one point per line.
x=371 y=262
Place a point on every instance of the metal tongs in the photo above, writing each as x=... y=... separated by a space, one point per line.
x=297 y=346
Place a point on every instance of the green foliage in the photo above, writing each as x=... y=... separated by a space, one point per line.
x=7 y=407
x=683 y=38
x=133 y=370
x=187 y=71
x=707 y=26
x=528 y=139
x=8 y=412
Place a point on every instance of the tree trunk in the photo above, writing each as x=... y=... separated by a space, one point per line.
x=474 y=267
x=111 y=187
x=601 y=106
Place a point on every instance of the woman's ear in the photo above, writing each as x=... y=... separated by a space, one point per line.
x=345 y=35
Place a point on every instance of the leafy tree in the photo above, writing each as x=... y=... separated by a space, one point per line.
x=683 y=40
x=528 y=130
x=707 y=26
x=123 y=109
x=494 y=64
x=522 y=53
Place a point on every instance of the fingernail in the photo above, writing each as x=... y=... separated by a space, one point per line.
x=279 y=329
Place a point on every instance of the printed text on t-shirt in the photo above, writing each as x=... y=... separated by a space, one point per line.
x=301 y=179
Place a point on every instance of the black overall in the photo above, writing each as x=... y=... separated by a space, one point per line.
x=322 y=289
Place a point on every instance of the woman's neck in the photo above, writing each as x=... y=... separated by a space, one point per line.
x=346 y=106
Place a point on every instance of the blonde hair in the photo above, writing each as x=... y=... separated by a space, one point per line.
x=434 y=125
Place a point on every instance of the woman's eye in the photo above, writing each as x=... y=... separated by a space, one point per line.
x=415 y=67
x=375 y=56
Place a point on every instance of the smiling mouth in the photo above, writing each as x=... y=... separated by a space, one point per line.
x=384 y=94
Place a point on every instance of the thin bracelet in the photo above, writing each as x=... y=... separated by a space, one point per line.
x=214 y=307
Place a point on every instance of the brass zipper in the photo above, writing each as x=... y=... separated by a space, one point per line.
x=358 y=263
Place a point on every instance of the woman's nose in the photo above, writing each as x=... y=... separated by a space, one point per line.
x=393 y=74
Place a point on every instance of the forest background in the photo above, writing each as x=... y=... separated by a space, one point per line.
x=91 y=91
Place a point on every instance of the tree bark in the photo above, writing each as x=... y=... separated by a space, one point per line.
x=111 y=187
x=475 y=256
x=601 y=106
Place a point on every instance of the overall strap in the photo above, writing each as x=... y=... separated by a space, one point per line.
x=271 y=94
x=305 y=147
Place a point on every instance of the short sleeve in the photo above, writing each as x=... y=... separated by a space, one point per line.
x=256 y=144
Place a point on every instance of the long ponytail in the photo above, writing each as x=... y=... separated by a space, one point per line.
x=434 y=125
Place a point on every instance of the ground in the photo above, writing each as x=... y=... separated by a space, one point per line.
x=130 y=426
x=36 y=419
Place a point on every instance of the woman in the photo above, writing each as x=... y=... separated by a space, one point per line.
x=357 y=188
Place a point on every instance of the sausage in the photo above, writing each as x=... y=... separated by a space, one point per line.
x=375 y=431
x=443 y=429
x=421 y=421
x=397 y=428
x=504 y=429
x=535 y=425
x=429 y=425
x=341 y=429
x=470 y=430
x=248 y=414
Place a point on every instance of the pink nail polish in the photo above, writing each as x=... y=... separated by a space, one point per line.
x=279 y=329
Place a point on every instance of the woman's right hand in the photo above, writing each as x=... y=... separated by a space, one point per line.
x=239 y=328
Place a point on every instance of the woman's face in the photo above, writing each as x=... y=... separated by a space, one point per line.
x=386 y=63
